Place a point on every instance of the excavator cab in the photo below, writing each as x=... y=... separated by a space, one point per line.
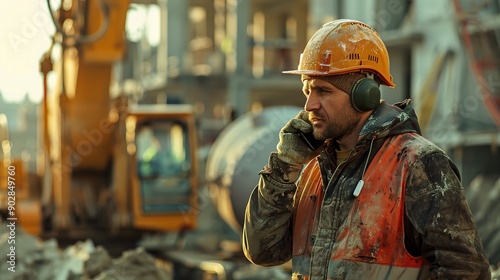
x=163 y=166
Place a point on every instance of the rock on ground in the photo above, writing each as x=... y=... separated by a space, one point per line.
x=35 y=259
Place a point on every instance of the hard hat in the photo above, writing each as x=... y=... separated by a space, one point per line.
x=345 y=46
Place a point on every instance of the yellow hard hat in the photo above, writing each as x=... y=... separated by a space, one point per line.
x=345 y=46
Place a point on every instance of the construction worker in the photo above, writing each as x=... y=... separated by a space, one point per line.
x=376 y=200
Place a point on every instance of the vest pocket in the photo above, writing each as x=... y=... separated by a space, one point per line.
x=355 y=237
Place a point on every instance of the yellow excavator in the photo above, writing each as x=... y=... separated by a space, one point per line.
x=109 y=166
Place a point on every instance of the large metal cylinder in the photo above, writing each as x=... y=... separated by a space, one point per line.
x=238 y=154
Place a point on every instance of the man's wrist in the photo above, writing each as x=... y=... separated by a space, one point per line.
x=282 y=171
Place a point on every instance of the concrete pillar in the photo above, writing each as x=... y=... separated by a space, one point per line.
x=238 y=87
x=322 y=11
x=177 y=26
x=360 y=10
x=162 y=47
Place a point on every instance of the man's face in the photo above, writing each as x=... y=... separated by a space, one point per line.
x=330 y=110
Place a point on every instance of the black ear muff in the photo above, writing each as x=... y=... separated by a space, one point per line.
x=365 y=95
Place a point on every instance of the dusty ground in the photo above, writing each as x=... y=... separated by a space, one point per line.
x=37 y=260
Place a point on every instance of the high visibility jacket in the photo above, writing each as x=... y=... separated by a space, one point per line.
x=369 y=244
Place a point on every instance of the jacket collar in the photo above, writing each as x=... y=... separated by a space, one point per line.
x=386 y=120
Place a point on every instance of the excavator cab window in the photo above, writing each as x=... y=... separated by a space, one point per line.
x=163 y=165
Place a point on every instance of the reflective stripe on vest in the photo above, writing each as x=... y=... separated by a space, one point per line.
x=371 y=239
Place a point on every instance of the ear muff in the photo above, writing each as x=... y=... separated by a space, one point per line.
x=365 y=95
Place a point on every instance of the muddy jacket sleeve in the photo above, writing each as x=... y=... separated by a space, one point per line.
x=267 y=235
x=444 y=231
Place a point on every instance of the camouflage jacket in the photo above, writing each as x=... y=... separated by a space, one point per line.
x=438 y=224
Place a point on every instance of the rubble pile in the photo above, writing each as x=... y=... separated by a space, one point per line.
x=34 y=259
x=135 y=264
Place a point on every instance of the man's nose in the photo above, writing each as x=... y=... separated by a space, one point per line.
x=312 y=103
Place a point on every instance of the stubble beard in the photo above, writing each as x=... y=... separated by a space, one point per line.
x=339 y=127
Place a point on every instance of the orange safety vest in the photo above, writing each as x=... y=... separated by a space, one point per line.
x=370 y=242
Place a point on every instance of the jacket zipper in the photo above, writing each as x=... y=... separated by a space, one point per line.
x=328 y=199
x=318 y=217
